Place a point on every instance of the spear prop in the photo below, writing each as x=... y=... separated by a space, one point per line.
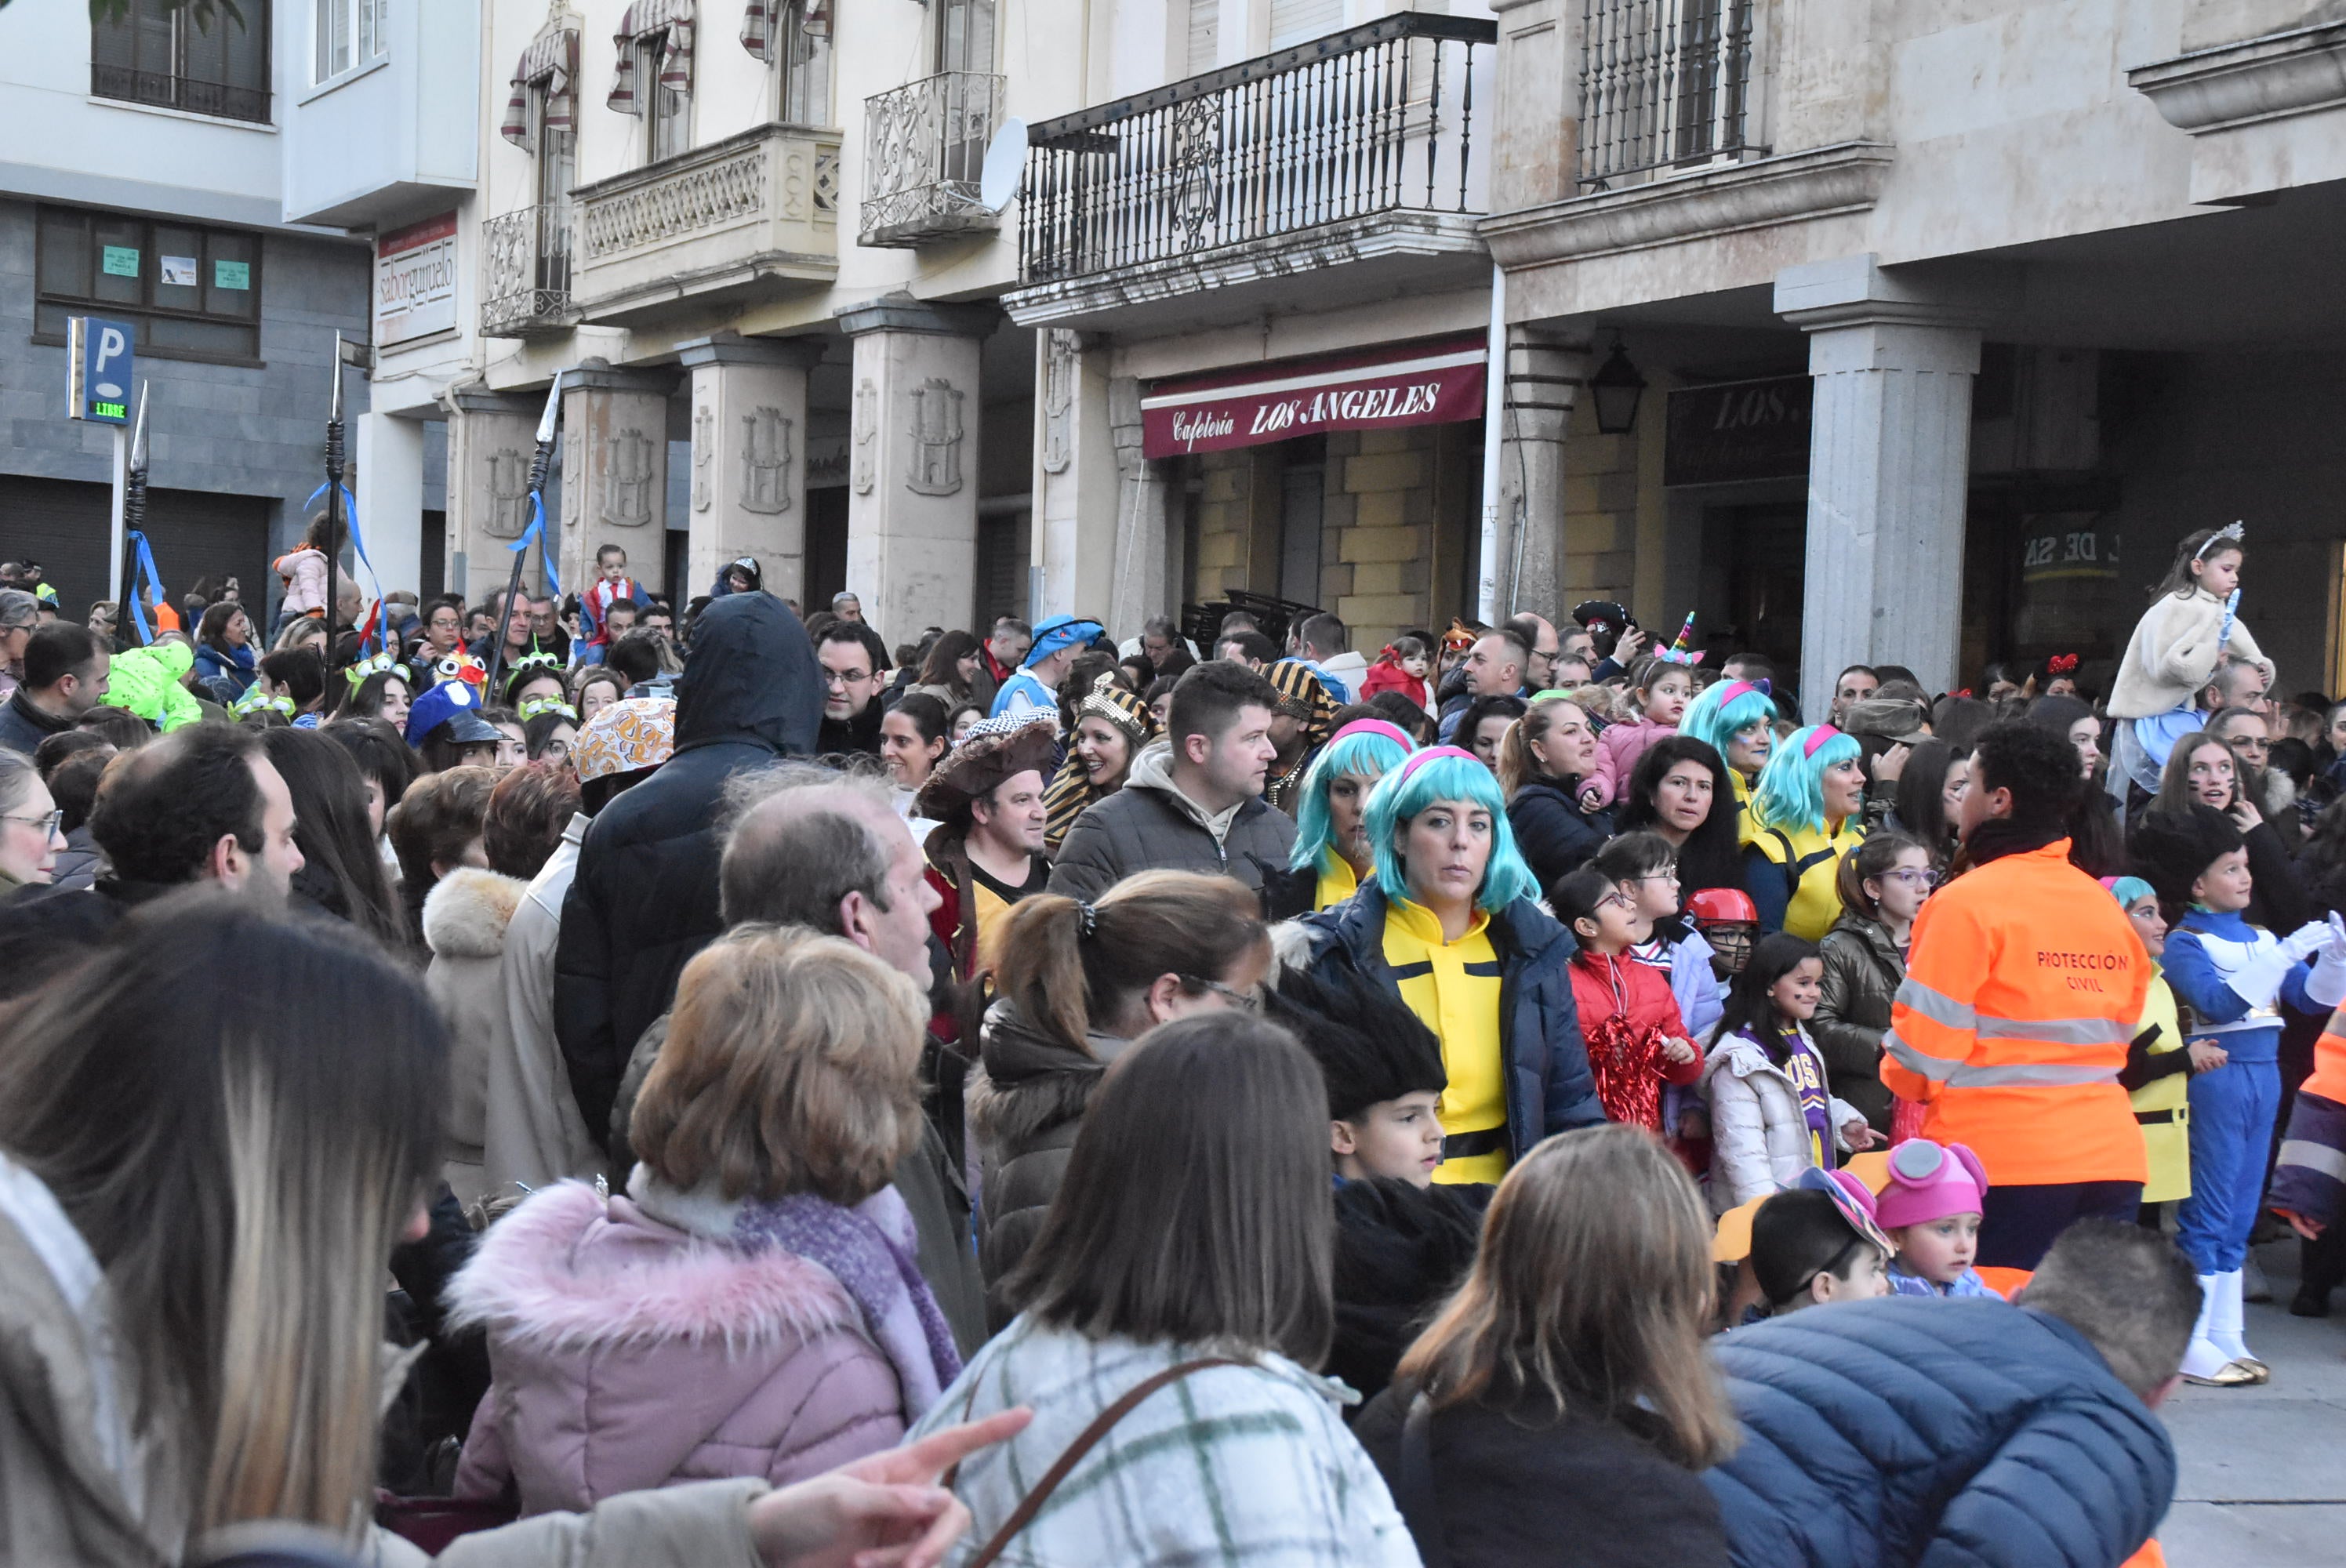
x=541 y=464
x=134 y=524
x=335 y=468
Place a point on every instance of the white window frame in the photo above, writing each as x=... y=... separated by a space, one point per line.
x=348 y=35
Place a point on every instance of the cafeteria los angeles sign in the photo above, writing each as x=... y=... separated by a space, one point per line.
x=1435 y=382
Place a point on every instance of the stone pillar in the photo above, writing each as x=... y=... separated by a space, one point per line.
x=1889 y=458
x=1077 y=479
x=390 y=492
x=912 y=510
x=490 y=439
x=749 y=456
x=615 y=471
x=1545 y=373
x=1147 y=579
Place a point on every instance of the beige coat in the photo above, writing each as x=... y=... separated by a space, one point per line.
x=535 y=1134
x=2173 y=652
x=64 y=1500
x=465 y=921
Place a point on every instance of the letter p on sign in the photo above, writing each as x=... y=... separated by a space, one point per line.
x=101 y=359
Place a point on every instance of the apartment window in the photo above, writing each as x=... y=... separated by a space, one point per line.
x=1205 y=22
x=1300 y=20
x=806 y=63
x=654 y=79
x=191 y=292
x=966 y=34
x=350 y=34
x=146 y=55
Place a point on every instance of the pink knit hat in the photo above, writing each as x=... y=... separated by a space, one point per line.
x=1929 y=1181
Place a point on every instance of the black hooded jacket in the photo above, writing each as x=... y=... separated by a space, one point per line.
x=645 y=897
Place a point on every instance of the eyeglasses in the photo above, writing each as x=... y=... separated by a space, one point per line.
x=1912 y=878
x=1667 y=874
x=1617 y=899
x=48 y=824
x=1244 y=1000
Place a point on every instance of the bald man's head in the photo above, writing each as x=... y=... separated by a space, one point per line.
x=824 y=849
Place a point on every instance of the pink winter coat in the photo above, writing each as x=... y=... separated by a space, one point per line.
x=1617 y=750
x=629 y=1354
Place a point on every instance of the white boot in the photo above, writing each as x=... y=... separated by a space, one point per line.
x=2227 y=1324
x=2206 y=1362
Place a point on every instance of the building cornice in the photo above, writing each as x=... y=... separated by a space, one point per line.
x=2264 y=78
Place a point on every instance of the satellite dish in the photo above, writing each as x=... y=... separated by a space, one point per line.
x=1005 y=161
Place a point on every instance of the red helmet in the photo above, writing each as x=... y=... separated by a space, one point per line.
x=1710 y=904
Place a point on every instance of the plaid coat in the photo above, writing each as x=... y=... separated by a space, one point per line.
x=1231 y=1465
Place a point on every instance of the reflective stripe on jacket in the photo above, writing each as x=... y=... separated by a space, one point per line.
x=2022 y=992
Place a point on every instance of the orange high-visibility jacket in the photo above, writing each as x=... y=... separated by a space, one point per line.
x=2021 y=990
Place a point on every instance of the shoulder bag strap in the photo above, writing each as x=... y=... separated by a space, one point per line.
x=1415 y=1494
x=1032 y=1503
x=1793 y=870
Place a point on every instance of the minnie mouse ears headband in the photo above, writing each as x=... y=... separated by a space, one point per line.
x=2234 y=535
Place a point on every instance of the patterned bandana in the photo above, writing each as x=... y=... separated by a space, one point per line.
x=625 y=736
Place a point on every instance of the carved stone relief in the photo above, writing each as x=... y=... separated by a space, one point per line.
x=765 y=461
x=935 y=429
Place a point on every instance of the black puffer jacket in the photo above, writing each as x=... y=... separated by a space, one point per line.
x=1863 y=970
x=645 y=897
x=1556 y=836
x=1947 y=1432
x=1025 y=1102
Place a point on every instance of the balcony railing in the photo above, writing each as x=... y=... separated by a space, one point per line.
x=1377 y=119
x=1665 y=84
x=164 y=89
x=924 y=149
x=708 y=223
x=525 y=273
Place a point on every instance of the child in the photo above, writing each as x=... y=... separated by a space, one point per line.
x=2158 y=1064
x=1403 y=1242
x=1401 y=666
x=1817 y=1243
x=611 y=585
x=2191 y=627
x=2233 y=975
x=1771 y=1115
x=302 y=570
x=1726 y=920
x=1931 y=1212
x=1658 y=693
x=1882 y=886
x=1644 y=867
x=1629 y=1019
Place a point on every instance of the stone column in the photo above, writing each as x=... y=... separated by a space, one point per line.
x=490 y=439
x=615 y=471
x=1076 y=483
x=1147 y=581
x=749 y=455
x=912 y=510
x=390 y=492
x=1889 y=457
x=1545 y=373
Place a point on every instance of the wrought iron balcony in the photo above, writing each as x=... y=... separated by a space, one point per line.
x=1376 y=120
x=1665 y=87
x=924 y=149
x=728 y=221
x=167 y=89
x=525 y=273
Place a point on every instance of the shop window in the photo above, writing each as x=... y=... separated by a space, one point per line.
x=146 y=54
x=350 y=34
x=191 y=292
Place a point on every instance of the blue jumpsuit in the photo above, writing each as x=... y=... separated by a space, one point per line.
x=2232 y=1108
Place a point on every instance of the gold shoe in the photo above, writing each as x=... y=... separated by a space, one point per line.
x=2263 y=1373
x=2232 y=1375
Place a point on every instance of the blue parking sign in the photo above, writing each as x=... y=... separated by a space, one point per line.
x=103 y=364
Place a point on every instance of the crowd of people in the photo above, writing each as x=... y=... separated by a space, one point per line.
x=1529 y=1096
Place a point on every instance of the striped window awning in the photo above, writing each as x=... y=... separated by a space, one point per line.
x=762 y=26
x=551 y=61
x=641 y=21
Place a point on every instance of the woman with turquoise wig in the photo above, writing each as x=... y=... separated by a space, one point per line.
x=1807 y=812
x=1736 y=719
x=1450 y=924
x=1332 y=856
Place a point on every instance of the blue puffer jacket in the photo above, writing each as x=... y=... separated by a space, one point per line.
x=1549 y=1087
x=1949 y=1434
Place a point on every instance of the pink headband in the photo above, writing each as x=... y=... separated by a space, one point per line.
x=1420 y=758
x=1823 y=733
x=1391 y=732
x=1737 y=689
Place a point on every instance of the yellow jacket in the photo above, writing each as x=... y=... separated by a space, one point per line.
x=2163 y=1106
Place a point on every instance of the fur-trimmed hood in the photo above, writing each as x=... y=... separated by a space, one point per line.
x=572 y=1270
x=1027 y=1082
x=465 y=915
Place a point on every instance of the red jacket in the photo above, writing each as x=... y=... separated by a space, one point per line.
x=1626 y=1010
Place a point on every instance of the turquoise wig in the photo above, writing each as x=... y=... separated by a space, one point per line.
x=2129 y=891
x=1447 y=774
x=1790 y=790
x=1715 y=723
x=1362 y=755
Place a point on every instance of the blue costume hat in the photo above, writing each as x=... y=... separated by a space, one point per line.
x=454 y=704
x=1061 y=632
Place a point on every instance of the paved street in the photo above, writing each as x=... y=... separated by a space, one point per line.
x=2264 y=1470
